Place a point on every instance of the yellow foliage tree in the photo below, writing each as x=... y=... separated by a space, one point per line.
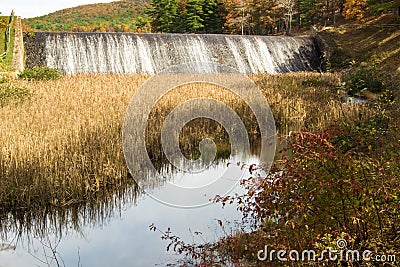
x=355 y=9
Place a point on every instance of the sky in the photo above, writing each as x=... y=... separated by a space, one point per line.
x=35 y=8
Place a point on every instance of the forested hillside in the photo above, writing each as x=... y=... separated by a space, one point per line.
x=210 y=16
x=119 y=16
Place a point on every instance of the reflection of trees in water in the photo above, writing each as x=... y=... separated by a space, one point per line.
x=5 y=247
x=152 y=178
x=24 y=225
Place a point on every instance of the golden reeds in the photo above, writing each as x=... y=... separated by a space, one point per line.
x=64 y=145
x=309 y=100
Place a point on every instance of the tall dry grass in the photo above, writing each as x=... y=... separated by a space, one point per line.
x=63 y=146
x=306 y=100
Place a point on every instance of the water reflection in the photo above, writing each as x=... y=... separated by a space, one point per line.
x=60 y=221
x=111 y=230
x=137 y=117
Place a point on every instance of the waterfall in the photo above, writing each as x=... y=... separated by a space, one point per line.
x=151 y=53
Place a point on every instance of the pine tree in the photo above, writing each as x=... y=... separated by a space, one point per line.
x=311 y=11
x=163 y=15
x=192 y=19
x=214 y=14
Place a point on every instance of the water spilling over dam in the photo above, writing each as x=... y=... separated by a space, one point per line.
x=151 y=53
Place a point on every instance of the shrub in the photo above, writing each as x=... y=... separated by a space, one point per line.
x=40 y=73
x=9 y=93
x=366 y=79
x=4 y=66
x=3 y=78
x=376 y=9
x=326 y=188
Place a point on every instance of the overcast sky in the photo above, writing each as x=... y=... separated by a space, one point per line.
x=34 y=8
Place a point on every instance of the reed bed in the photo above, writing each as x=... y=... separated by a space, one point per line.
x=306 y=100
x=64 y=145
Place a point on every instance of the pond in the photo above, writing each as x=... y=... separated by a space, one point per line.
x=119 y=234
x=175 y=172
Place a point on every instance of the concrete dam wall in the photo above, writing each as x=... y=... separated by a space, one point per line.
x=129 y=53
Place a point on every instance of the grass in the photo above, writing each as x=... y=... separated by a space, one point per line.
x=10 y=94
x=63 y=147
x=375 y=45
x=306 y=100
x=3 y=26
x=6 y=62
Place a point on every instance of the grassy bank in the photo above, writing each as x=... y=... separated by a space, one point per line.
x=5 y=62
x=367 y=55
x=63 y=146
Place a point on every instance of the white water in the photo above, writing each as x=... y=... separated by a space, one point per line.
x=151 y=53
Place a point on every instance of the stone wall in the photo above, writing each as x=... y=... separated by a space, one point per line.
x=18 y=53
x=35 y=50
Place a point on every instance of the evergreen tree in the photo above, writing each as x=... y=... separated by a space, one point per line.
x=193 y=17
x=311 y=11
x=214 y=14
x=180 y=20
x=163 y=15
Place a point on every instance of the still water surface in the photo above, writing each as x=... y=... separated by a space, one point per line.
x=120 y=235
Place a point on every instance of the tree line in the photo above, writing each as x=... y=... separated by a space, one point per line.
x=258 y=17
x=253 y=16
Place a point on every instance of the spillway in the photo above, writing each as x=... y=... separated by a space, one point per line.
x=129 y=53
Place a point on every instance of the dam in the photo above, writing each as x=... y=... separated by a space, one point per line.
x=129 y=53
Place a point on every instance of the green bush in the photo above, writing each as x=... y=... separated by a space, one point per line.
x=4 y=66
x=366 y=79
x=376 y=9
x=9 y=94
x=40 y=73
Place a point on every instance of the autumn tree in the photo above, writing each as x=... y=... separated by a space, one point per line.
x=355 y=9
x=238 y=16
x=263 y=16
x=288 y=6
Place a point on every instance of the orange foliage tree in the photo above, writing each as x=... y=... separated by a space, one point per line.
x=355 y=9
x=238 y=16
